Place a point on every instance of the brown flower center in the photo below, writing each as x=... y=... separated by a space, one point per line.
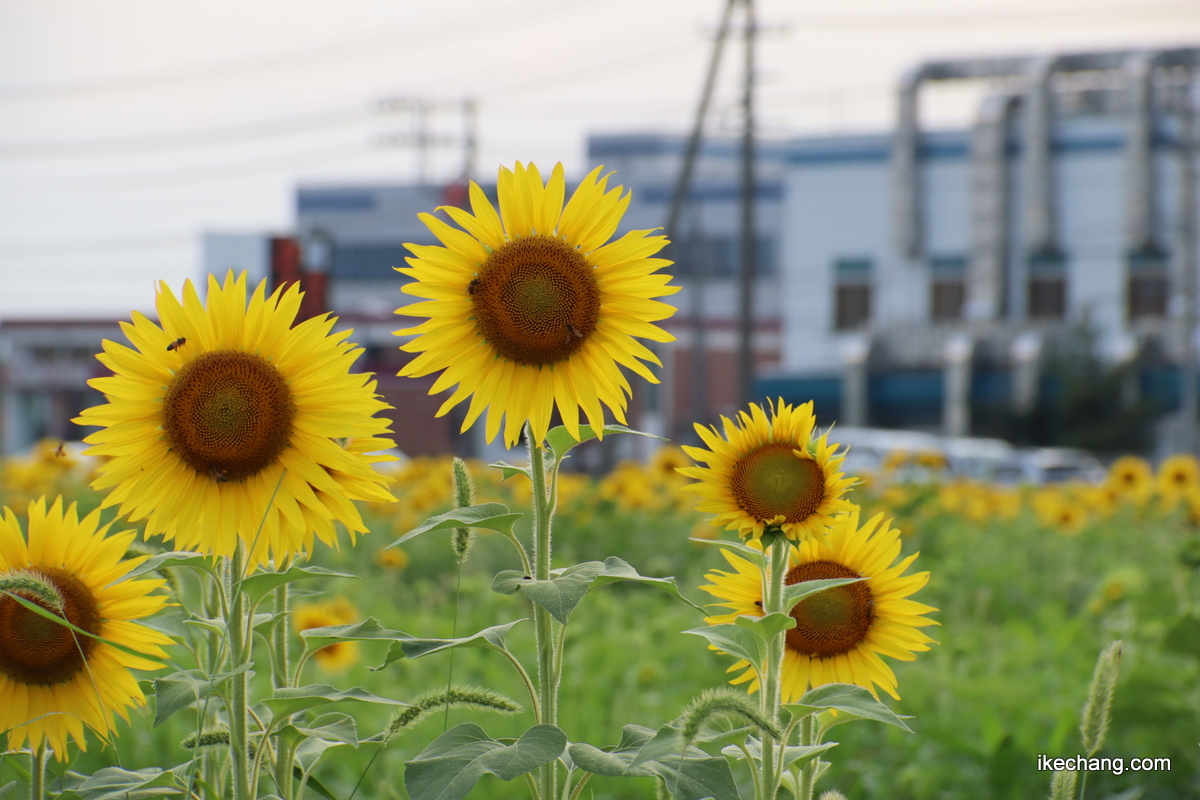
x=536 y=300
x=834 y=621
x=228 y=415
x=773 y=481
x=38 y=651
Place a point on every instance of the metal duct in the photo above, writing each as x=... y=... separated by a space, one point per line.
x=986 y=275
x=1139 y=166
x=906 y=196
x=1039 y=218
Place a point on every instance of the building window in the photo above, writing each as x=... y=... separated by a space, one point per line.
x=947 y=287
x=1047 y=286
x=852 y=300
x=1148 y=284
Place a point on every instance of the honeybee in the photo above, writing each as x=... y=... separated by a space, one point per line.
x=218 y=475
x=178 y=343
x=573 y=333
x=60 y=452
x=472 y=286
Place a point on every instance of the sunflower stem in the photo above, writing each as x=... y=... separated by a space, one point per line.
x=543 y=632
x=37 y=772
x=808 y=775
x=280 y=663
x=236 y=632
x=771 y=683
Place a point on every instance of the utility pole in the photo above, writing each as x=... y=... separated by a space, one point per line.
x=1187 y=259
x=699 y=376
x=749 y=253
x=423 y=139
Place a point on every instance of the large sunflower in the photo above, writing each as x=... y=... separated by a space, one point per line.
x=530 y=309
x=769 y=472
x=52 y=680
x=840 y=633
x=227 y=418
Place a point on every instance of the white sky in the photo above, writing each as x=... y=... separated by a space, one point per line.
x=128 y=127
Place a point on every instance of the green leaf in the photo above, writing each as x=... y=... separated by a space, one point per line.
x=7 y=788
x=367 y=630
x=455 y=761
x=287 y=700
x=511 y=470
x=561 y=441
x=566 y=587
x=315 y=785
x=735 y=641
x=196 y=561
x=492 y=637
x=180 y=690
x=797 y=755
x=260 y=583
x=796 y=592
x=766 y=627
x=1184 y=637
x=333 y=727
x=693 y=776
x=493 y=516
x=115 y=783
x=751 y=554
x=854 y=702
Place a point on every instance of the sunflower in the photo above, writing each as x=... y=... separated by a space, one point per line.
x=52 y=680
x=1131 y=476
x=530 y=309
x=1178 y=475
x=334 y=657
x=769 y=472
x=840 y=633
x=228 y=418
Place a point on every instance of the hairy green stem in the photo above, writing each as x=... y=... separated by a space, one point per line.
x=808 y=776
x=37 y=772
x=771 y=682
x=543 y=631
x=281 y=677
x=237 y=633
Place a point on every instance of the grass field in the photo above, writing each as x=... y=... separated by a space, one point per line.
x=1028 y=596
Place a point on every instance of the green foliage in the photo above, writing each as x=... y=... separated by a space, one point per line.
x=850 y=703
x=688 y=772
x=455 y=761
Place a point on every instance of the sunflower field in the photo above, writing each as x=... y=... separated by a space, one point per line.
x=237 y=588
x=1027 y=599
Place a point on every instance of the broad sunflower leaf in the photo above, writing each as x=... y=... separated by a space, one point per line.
x=511 y=470
x=767 y=627
x=852 y=702
x=735 y=641
x=492 y=516
x=797 y=755
x=751 y=554
x=175 y=559
x=287 y=701
x=367 y=630
x=413 y=647
x=8 y=788
x=689 y=773
x=333 y=727
x=180 y=690
x=260 y=583
x=115 y=783
x=561 y=441
x=566 y=587
x=798 y=591
x=455 y=761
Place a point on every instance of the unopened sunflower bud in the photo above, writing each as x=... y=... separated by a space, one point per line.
x=1097 y=711
x=464 y=495
x=34 y=586
x=1062 y=784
